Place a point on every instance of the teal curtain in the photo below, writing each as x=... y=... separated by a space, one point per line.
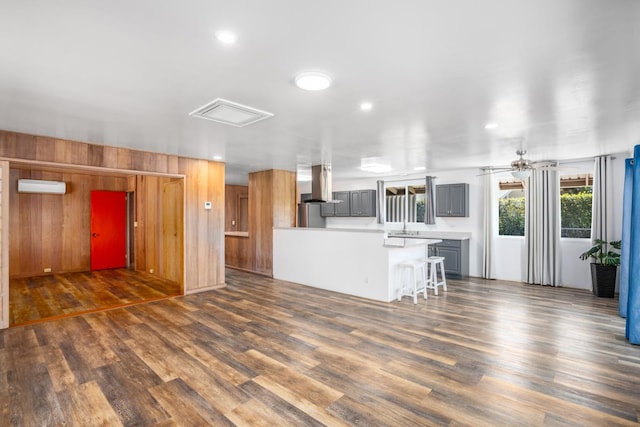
x=633 y=304
x=625 y=249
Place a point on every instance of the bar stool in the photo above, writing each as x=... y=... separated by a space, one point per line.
x=412 y=279
x=432 y=270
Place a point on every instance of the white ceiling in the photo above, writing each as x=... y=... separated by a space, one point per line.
x=560 y=77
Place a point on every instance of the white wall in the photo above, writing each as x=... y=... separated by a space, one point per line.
x=510 y=252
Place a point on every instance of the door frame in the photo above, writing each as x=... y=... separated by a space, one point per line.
x=6 y=164
x=4 y=244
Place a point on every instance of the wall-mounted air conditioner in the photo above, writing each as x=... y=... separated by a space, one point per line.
x=43 y=187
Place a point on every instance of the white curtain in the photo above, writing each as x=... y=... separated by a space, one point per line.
x=380 y=202
x=542 y=228
x=488 y=261
x=602 y=208
x=429 y=201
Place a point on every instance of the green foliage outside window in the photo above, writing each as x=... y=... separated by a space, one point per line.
x=420 y=208
x=511 y=216
x=575 y=212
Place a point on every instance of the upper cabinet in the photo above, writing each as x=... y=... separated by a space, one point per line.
x=351 y=203
x=452 y=200
x=342 y=208
x=363 y=203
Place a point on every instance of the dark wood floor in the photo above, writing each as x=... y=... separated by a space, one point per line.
x=60 y=295
x=264 y=352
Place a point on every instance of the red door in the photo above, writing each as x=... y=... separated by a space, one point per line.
x=108 y=229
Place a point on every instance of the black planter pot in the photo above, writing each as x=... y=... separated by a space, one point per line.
x=603 y=279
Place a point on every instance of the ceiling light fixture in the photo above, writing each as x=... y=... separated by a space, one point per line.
x=420 y=168
x=521 y=174
x=217 y=157
x=490 y=126
x=375 y=165
x=366 y=106
x=227 y=37
x=313 y=80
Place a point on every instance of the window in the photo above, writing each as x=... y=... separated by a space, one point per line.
x=511 y=208
x=576 y=196
x=405 y=203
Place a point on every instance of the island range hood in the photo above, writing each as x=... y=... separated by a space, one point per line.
x=321 y=185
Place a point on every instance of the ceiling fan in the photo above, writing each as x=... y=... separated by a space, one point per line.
x=521 y=168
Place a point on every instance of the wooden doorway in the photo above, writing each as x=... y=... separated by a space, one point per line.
x=173 y=230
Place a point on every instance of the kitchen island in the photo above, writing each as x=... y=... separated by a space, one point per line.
x=357 y=262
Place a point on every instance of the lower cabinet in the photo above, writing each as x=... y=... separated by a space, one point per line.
x=456 y=257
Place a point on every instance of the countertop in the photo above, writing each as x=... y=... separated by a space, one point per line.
x=422 y=234
x=446 y=235
x=237 y=233
x=397 y=242
x=350 y=230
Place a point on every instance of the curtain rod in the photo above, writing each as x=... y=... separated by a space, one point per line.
x=407 y=179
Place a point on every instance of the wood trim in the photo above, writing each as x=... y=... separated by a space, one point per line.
x=4 y=245
x=80 y=168
x=208 y=288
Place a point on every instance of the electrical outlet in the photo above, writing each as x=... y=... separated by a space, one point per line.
x=47 y=270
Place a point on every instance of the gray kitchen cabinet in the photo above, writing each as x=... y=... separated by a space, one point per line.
x=363 y=203
x=342 y=208
x=456 y=257
x=327 y=209
x=452 y=200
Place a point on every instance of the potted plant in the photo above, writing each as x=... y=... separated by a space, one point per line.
x=605 y=266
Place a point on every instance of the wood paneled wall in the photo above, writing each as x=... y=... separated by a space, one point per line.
x=231 y=209
x=53 y=231
x=204 y=181
x=272 y=203
x=237 y=251
x=148 y=236
x=237 y=248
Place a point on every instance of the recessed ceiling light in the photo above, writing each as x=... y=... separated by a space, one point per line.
x=217 y=157
x=491 y=126
x=225 y=36
x=366 y=106
x=313 y=81
x=420 y=168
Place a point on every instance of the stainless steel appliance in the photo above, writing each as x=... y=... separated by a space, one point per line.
x=309 y=215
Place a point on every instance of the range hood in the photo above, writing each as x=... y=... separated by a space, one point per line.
x=321 y=185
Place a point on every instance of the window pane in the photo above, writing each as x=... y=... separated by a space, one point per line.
x=416 y=203
x=575 y=206
x=511 y=213
x=395 y=204
x=405 y=203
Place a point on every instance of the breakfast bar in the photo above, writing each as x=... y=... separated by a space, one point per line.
x=357 y=262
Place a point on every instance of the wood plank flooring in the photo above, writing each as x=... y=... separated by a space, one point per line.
x=264 y=352
x=60 y=295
